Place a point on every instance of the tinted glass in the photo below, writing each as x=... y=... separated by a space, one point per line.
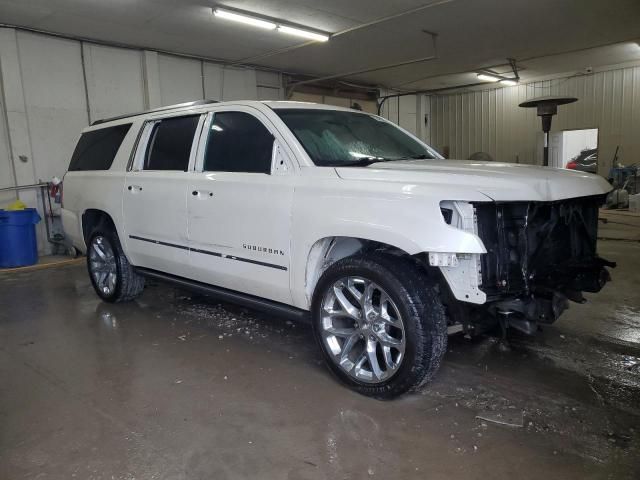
x=238 y=142
x=339 y=138
x=97 y=149
x=170 y=144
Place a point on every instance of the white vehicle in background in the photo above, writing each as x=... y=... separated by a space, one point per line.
x=334 y=215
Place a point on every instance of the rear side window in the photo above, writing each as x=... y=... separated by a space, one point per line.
x=97 y=149
x=238 y=142
x=170 y=143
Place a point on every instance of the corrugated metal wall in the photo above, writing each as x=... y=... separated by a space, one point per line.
x=491 y=121
x=367 y=105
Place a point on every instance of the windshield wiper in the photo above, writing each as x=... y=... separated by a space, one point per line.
x=361 y=162
x=366 y=161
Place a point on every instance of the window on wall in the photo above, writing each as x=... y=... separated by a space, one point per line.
x=238 y=142
x=170 y=143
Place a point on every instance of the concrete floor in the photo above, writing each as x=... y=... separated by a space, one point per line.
x=176 y=386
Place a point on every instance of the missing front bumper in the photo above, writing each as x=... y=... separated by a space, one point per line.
x=544 y=305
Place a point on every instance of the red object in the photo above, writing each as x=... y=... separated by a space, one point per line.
x=572 y=165
x=53 y=189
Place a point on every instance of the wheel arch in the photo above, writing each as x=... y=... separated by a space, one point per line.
x=325 y=251
x=92 y=218
x=96 y=217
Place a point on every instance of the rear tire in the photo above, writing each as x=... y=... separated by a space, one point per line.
x=393 y=312
x=112 y=276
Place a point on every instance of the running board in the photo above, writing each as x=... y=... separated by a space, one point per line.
x=231 y=296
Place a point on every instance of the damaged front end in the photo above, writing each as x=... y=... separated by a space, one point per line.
x=539 y=256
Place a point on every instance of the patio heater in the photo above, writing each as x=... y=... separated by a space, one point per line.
x=547 y=107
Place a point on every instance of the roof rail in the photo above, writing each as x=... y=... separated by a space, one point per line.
x=153 y=110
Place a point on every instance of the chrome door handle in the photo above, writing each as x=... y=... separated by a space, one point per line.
x=136 y=188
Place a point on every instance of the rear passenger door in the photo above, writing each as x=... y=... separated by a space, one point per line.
x=154 y=196
x=239 y=205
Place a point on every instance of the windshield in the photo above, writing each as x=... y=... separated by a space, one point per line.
x=339 y=138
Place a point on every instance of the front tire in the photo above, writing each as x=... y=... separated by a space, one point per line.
x=112 y=276
x=380 y=324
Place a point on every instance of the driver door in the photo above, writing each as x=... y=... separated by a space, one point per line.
x=239 y=206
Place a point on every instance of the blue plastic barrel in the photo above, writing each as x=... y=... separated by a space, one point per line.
x=18 y=245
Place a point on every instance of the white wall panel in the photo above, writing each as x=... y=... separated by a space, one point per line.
x=390 y=109
x=492 y=121
x=408 y=113
x=151 y=79
x=239 y=84
x=6 y=171
x=180 y=79
x=115 y=82
x=268 y=79
x=15 y=111
x=17 y=124
x=269 y=93
x=55 y=102
x=269 y=85
x=213 y=81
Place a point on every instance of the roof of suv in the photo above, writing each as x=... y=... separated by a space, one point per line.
x=275 y=104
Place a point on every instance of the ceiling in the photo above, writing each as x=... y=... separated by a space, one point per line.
x=546 y=37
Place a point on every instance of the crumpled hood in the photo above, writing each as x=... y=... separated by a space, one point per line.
x=499 y=181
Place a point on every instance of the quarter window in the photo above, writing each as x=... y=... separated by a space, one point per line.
x=170 y=144
x=238 y=142
x=97 y=149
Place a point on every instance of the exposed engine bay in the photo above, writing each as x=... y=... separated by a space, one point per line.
x=539 y=256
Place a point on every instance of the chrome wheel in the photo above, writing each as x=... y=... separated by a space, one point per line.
x=362 y=329
x=102 y=265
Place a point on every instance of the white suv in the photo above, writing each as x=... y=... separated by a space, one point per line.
x=335 y=215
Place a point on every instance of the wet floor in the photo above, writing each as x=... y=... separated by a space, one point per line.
x=176 y=386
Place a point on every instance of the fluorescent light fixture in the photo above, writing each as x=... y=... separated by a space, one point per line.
x=237 y=17
x=508 y=83
x=303 y=33
x=485 y=77
x=268 y=25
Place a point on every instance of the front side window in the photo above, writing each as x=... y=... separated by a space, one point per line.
x=238 y=142
x=170 y=143
x=342 y=138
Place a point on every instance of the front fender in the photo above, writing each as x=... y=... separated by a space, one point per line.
x=409 y=222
